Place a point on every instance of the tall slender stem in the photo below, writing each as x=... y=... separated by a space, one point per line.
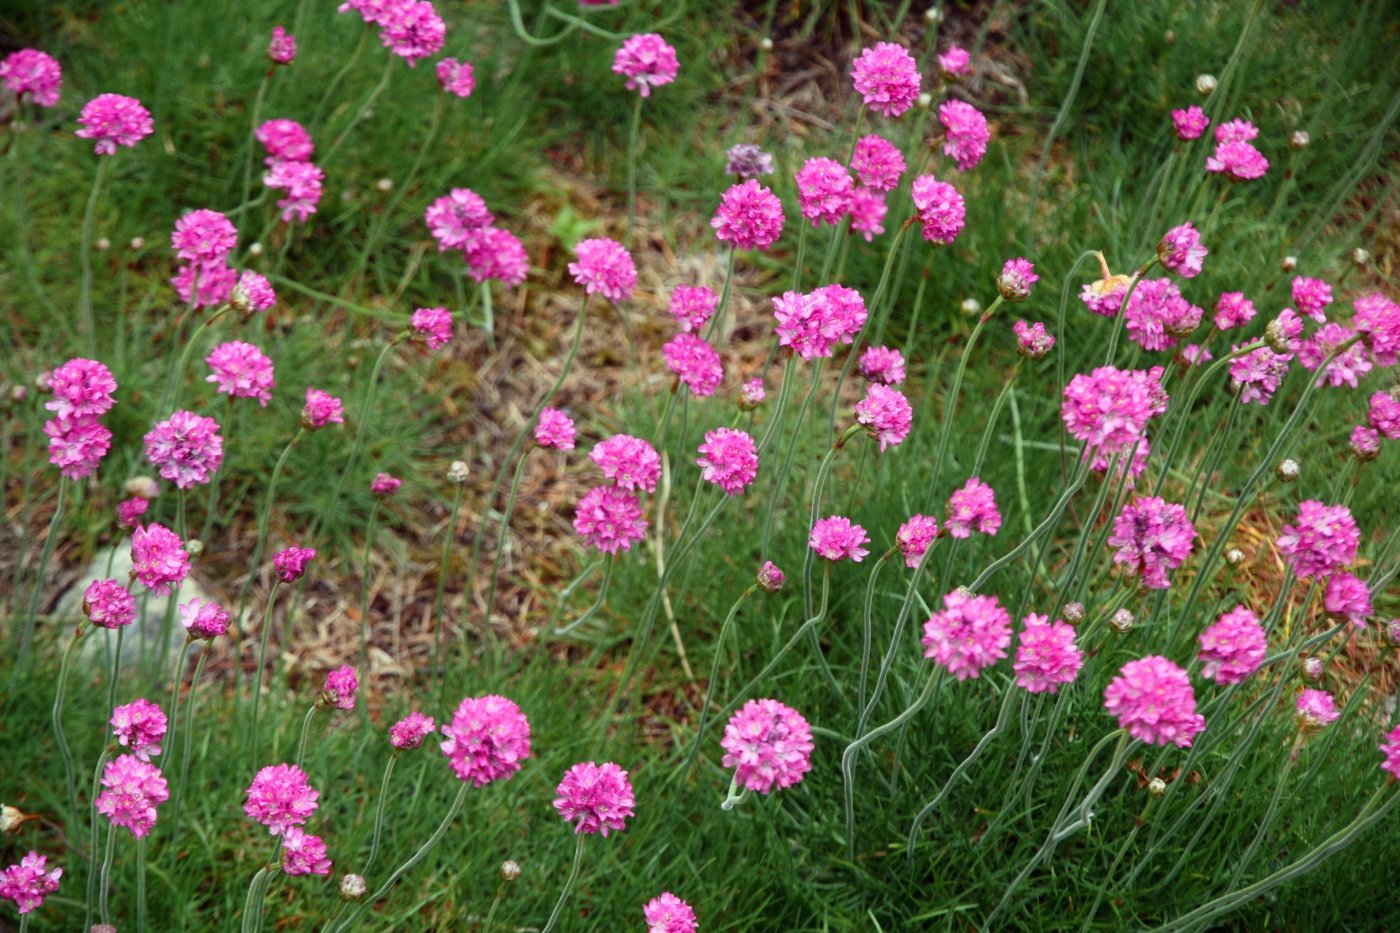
x=104 y=883
x=714 y=678
x=364 y=598
x=501 y=538
x=379 y=813
x=632 y=135
x=70 y=777
x=89 y=215
x=186 y=752
x=31 y=617
x=305 y=733
x=449 y=536
x=257 y=677
x=568 y=885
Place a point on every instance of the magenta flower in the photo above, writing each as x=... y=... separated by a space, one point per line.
x=886 y=414
x=595 y=798
x=304 y=854
x=203 y=235
x=1233 y=648
x=555 y=429
x=139 y=726
x=1315 y=710
x=186 y=448
x=810 y=325
x=1152 y=698
x=1365 y=442
x=129 y=511
x=133 y=790
x=241 y=370
x=108 y=604
x=1323 y=541
x=604 y=267
x=749 y=216
x=1190 y=123
x=954 y=62
x=487 y=740
x=966 y=131
x=1104 y=296
x=302 y=183
x=280 y=797
x=114 y=120
x=1347 y=368
x=695 y=363
x=205 y=284
x=746 y=160
x=321 y=409
x=769 y=746
x=1390 y=749
x=252 y=292
x=493 y=253
x=647 y=61
x=1236 y=131
x=411 y=731
x=1047 y=655
x=1233 y=310
x=972 y=508
x=456 y=77
x=877 y=162
x=1107 y=409
x=1383 y=414
x=972 y=632
x=1312 y=296
x=1157 y=315
x=1377 y=320
x=385 y=485
x=824 y=190
x=291 y=562
x=452 y=218
x=610 y=519
x=1283 y=333
x=667 y=913
x=751 y=394
x=1237 y=161
x=1033 y=341
x=729 y=459
x=771 y=577
x=27 y=883
x=35 y=73
x=412 y=30
x=1257 y=375
x=868 y=209
x=1181 y=251
x=1153 y=536
x=883 y=365
x=692 y=306
x=433 y=326
x=940 y=207
x=203 y=619
x=1347 y=598
x=1016 y=279
x=915 y=537
x=887 y=79
x=81 y=388
x=77 y=445
x=630 y=462
x=158 y=558
x=283 y=47
x=285 y=141
x=838 y=538
x=340 y=688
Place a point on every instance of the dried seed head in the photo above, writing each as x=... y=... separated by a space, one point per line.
x=1288 y=470
x=925 y=101
x=1299 y=139
x=1289 y=263
x=1074 y=613
x=458 y=471
x=933 y=15
x=144 y=486
x=10 y=818
x=255 y=249
x=102 y=245
x=194 y=547
x=1360 y=256
x=137 y=242
x=1121 y=622
x=1234 y=557
x=1392 y=631
x=1313 y=668
x=384 y=185
x=510 y=870
x=1205 y=84
x=971 y=307
x=766 y=44
x=1157 y=787
x=352 y=887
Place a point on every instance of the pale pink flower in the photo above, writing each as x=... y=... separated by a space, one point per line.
x=868 y=209
x=452 y=218
x=940 y=208
x=241 y=370
x=487 y=739
x=972 y=508
x=205 y=284
x=729 y=459
x=132 y=791
x=1348 y=598
x=749 y=216
x=158 y=558
x=1233 y=310
x=1365 y=442
x=433 y=326
x=203 y=235
x=695 y=363
x=456 y=77
x=967 y=133
x=887 y=79
x=647 y=61
x=1190 y=123
x=1016 y=279
x=32 y=72
x=1236 y=131
x=1046 y=656
x=1347 y=368
x=769 y=746
x=412 y=30
x=321 y=409
x=555 y=429
x=1181 y=251
x=303 y=854
x=283 y=47
x=108 y=604
x=1238 y=162
x=284 y=140
x=1316 y=709
x=970 y=633
x=954 y=62
x=494 y=253
x=252 y=292
x=1257 y=375
x=883 y=365
x=746 y=160
x=1323 y=541
x=1233 y=647
x=610 y=519
x=752 y=394
x=411 y=731
x=915 y=537
x=129 y=511
x=693 y=305
x=139 y=726
x=667 y=913
x=595 y=798
x=114 y=120
x=203 y=619
x=1152 y=536
x=302 y=183
x=604 y=267
x=280 y=797
x=1152 y=699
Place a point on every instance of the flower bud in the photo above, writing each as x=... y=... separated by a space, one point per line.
x=770 y=577
x=510 y=870
x=1074 y=613
x=925 y=101
x=352 y=887
x=1234 y=557
x=1365 y=443
x=1288 y=471
x=1121 y=622
x=752 y=395
x=1299 y=139
x=11 y=818
x=933 y=15
x=1169 y=37
x=766 y=44
x=137 y=242
x=255 y=249
x=1360 y=256
x=19 y=392
x=1157 y=787
x=384 y=185
x=971 y=307
x=1392 y=631
x=1205 y=84
x=194 y=547
x=102 y=928
x=102 y=245
x=1289 y=263
x=1313 y=668
x=143 y=486
x=458 y=471
x=1278 y=338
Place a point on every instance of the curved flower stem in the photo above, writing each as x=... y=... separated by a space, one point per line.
x=141 y=884
x=259 y=548
x=359 y=111
x=305 y=733
x=723 y=295
x=31 y=617
x=366 y=408
x=70 y=778
x=93 y=839
x=253 y=903
x=1179 y=414
x=364 y=601
x=448 y=537
x=632 y=135
x=171 y=396
x=714 y=678
x=104 y=883
x=867 y=625
x=823 y=471
x=784 y=391
x=950 y=406
x=257 y=678
x=597 y=604
x=518 y=23
x=808 y=626
x=781 y=478
x=379 y=812
x=186 y=752
x=501 y=538
x=89 y=215
x=253 y=141
x=734 y=796
x=568 y=885
x=495 y=902
x=797 y=262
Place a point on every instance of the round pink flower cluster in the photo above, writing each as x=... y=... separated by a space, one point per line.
x=411 y=30
x=203 y=619
x=280 y=797
x=1316 y=709
x=595 y=798
x=340 y=688
x=487 y=739
x=967 y=133
x=186 y=448
x=1033 y=341
x=604 y=267
x=283 y=47
x=82 y=393
x=729 y=459
x=887 y=79
x=811 y=325
x=461 y=221
x=158 y=558
x=29 y=881
x=1153 y=536
x=1312 y=296
x=749 y=216
x=302 y=183
x=954 y=62
x=285 y=141
x=203 y=236
x=940 y=207
x=647 y=61
x=77 y=445
x=1347 y=368
x=868 y=210
x=1182 y=252
x=1157 y=315
x=1109 y=408
x=1234 y=156
x=692 y=306
x=1390 y=751
x=555 y=429
x=385 y=485
x=433 y=326
x=1233 y=647
x=1152 y=698
x=205 y=284
x=769 y=746
x=114 y=120
x=139 y=726
x=456 y=77
x=630 y=462
x=452 y=218
x=746 y=160
x=972 y=508
x=1190 y=123
x=321 y=409
x=695 y=363
x=108 y=604
x=1257 y=375
x=886 y=414
x=915 y=537
x=1383 y=414
x=1365 y=442
x=1283 y=333
x=1323 y=541
x=241 y=370
x=877 y=162
x=610 y=519
x=837 y=538
x=1347 y=597
x=32 y=72
x=303 y=853
x=970 y=633
x=1233 y=310
x=771 y=577
x=751 y=394
x=494 y=253
x=667 y=913
x=411 y=731
x=129 y=511
x=1047 y=655
x=133 y=790
x=884 y=365
x=1016 y=279
x=290 y=563
x=824 y=189
x=1377 y=319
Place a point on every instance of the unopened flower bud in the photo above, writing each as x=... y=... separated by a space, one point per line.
x=352 y=887
x=1313 y=668
x=384 y=185
x=770 y=577
x=255 y=249
x=766 y=44
x=10 y=818
x=925 y=100
x=1205 y=84
x=933 y=15
x=1074 y=613
x=19 y=393
x=1360 y=256
x=1169 y=37
x=1392 y=631
x=752 y=395
x=102 y=928
x=1157 y=787
x=1289 y=263
x=458 y=471
x=1288 y=470
x=1121 y=622
x=1234 y=557
x=510 y=870
x=1299 y=139
x=194 y=547
x=971 y=307
x=1365 y=443
x=102 y=245
x=136 y=243
x=1279 y=339
x=143 y=486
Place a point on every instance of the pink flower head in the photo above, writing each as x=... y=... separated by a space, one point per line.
x=321 y=409
x=1190 y=123
x=241 y=371
x=1323 y=541
x=1233 y=647
x=746 y=160
x=285 y=141
x=887 y=79
x=187 y=448
x=205 y=284
x=452 y=218
x=304 y=854
x=371 y=11
x=751 y=394
x=433 y=326
x=132 y=790
x=204 y=235
x=412 y=30
x=695 y=363
x=1196 y=354
x=555 y=429
x=868 y=209
x=35 y=73
x=81 y=388
x=877 y=162
x=803 y=324
x=280 y=797
x=77 y=445
x=456 y=77
x=27 y=883
x=494 y=253
x=824 y=190
x=1283 y=333
x=1152 y=698
x=108 y=604
x=749 y=216
x=883 y=365
x=1153 y=536
x=1016 y=279
x=252 y=292
x=1105 y=296
x=114 y=120
x=283 y=47
x=771 y=577
x=158 y=558
x=837 y=538
x=1233 y=310
x=1257 y=375
x=729 y=459
x=604 y=267
x=1348 y=366
x=769 y=746
x=610 y=519
x=843 y=312
x=972 y=508
x=1365 y=442
x=1157 y=314
x=129 y=511
x=630 y=462
x=1377 y=319
x=1237 y=161
x=692 y=306
x=1390 y=749
x=1181 y=251
x=967 y=133
x=667 y=913
x=1046 y=656
x=302 y=183
x=411 y=731
x=886 y=414
x=290 y=563
x=954 y=62
x=340 y=688
x=940 y=207
x=385 y=485
x=915 y=537
x=1107 y=409
x=972 y=632
x=1383 y=414
x=139 y=726
x=595 y=798
x=487 y=739
x=1316 y=709
x=1347 y=598
x=1312 y=296
x=1033 y=341
x=1236 y=131
x=647 y=61
x=203 y=619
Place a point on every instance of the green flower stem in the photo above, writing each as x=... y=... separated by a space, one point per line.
x=31 y=617
x=597 y=603
x=950 y=406
x=518 y=23
x=632 y=135
x=867 y=634
x=723 y=295
x=495 y=902
x=734 y=796
x=70 y=777
x=186 y=753
x=784 y=392
x=449 y=536
x=89 y=215
x=366 y=408
x=823 y=471
x=104 y=883
x=797 y=262
x=359 y=111
x=305 y=733
x=568 y=885
x=257 y=678
x=807 y=627
x=171 y=396
x=501 y=537
x=714 y=679
x=264 y=516
x=364 y=601
x=253 y=142
x=778 y=481
x=141 y=884
x=93 y=839
x=253 y=903
x=379 y=812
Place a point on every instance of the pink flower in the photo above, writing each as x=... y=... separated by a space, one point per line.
x=915 y=537
x=837 y=538
x=692 y=306
x=729 y=459
x=746 y=160
x=972 y=632
x=187 y=448
x=302 y=182
x=456 y=77
x=595 y=798
x=205 y=284
x=304 y=854
x=604 y=267
x=1312 y=296
x=1390 y=749
x=877 y=162
x=771 y=577
x=1157 y=315
x=252 y=293
x=749 y=216
x=493 y=253
x=433 y=326
x=129 y=511
x=1283 y=332
x=1348 y=367
x=1047 y=655
x=610 y=519
x=940 y=208
x=1316 y=709
x=77 y=445
x=321 y=409
x=1237 y=161
x=695 y=363
x=290 y=563
x=967 y=133
x=751 y=394
x=283 y=48
x=647 y=61
x=810 y=325
x=1233 y=648
x=883 y=365
x=887 y=79
x=1377 y=319
x=133 y=789
x=280 y=797
x=954 y=62
x=452 y=218
x=824 y=190
x=285 y=141
x=886 y=414
x=27 y=883
x=108 y=604
x=555 y=429
x=1153 y=536
x=1190 y=123
x=1152 y=698
x=1233 y=310
x=1033 y=341
x=114 y=120
x=1105 y=296
x=1383 y=414
x=1016 y=279
x=411 y=731
x=139 y=726
x=1365 y=442
x=340 y=688
x=412 y=30
x=1324 y=540
x=630 y=462
x=1236 y=131
x=35 y=73
x=1196 y=354
x=203 y=235
x=1257 y=375
x=844 y=312
x=1107 y=409
x=1181 y=251
x=972 y=508
x=158 y=558
x=868 y=211
x=487 y=740
x=769 y=746
x=1347 y=598
x=81 y=388
x=203 y=619
x=241 y=371
x=667 y=913
x=371 y=11
x=385 y=485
